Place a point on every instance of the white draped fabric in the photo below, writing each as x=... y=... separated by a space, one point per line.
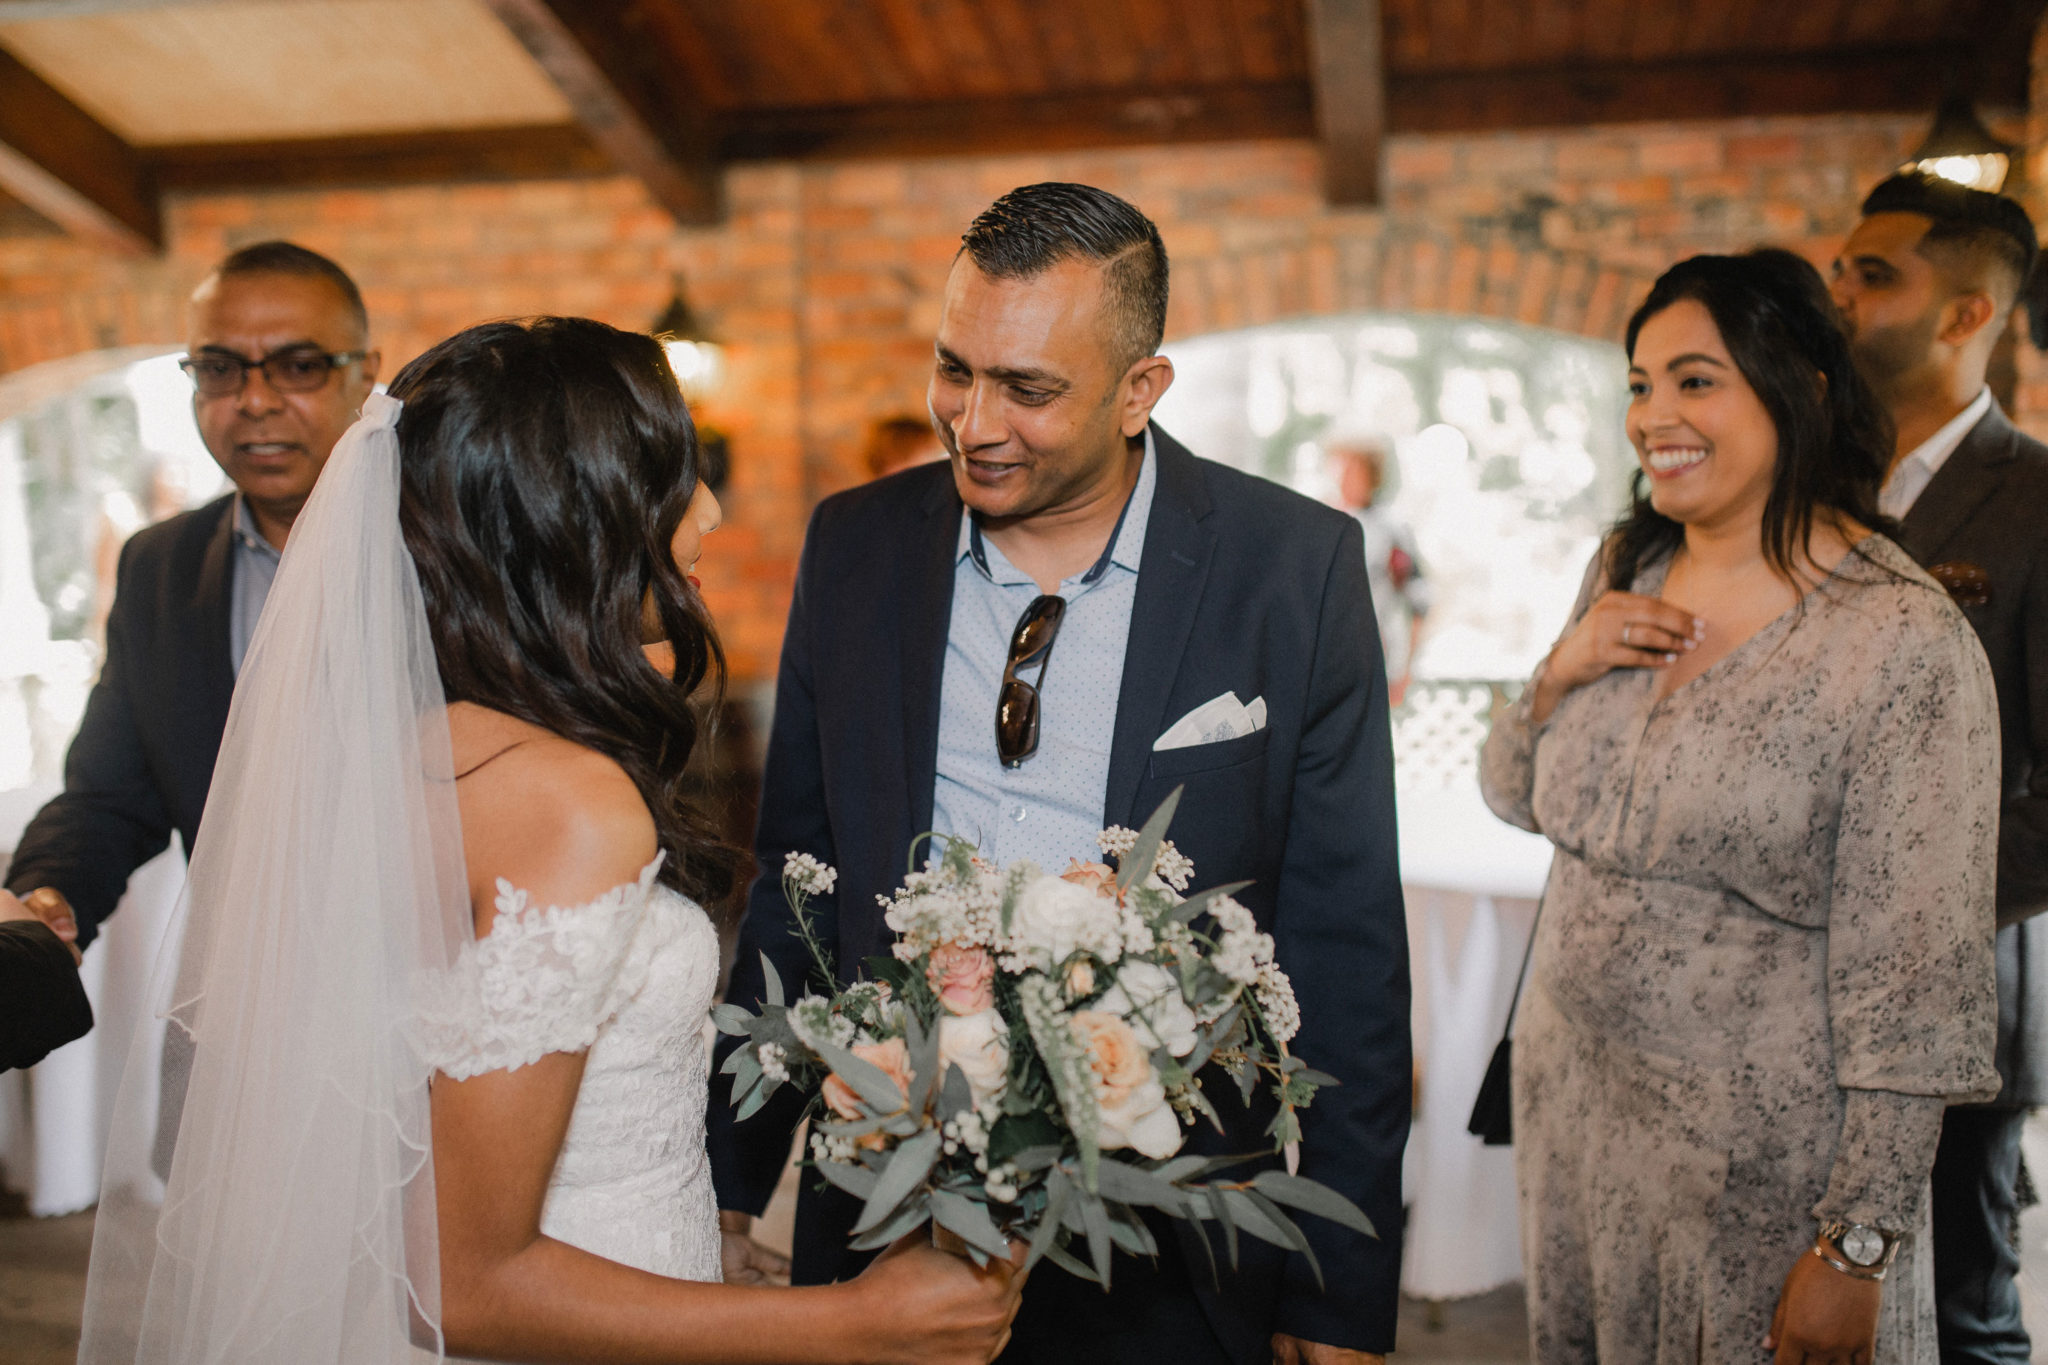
x=56 y=1117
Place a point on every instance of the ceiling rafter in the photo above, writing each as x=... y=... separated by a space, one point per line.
x=1347 y=72
x=606 y=64
x=68 y=167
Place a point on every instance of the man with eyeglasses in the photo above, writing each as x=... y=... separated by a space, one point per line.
x=280 y=360
x=1051 y=633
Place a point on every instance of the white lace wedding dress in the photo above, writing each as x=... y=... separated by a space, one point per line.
x=629 y=976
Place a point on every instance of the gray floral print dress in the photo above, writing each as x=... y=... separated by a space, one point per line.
x=1763 y=966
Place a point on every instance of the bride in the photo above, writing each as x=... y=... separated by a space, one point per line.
x=441 y=998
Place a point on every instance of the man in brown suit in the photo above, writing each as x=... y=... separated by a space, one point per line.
x=1925 y=284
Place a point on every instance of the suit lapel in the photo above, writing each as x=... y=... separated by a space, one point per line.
x=1175 y=566
x=1972 y=474
x=210 y=607
x=926 y=615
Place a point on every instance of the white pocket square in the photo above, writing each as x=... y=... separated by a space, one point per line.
x=1215 y=720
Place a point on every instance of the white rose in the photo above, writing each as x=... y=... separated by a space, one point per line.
x=979 y=1044
x=1148 y=995
x=1143 y=1121
x=1054 y=918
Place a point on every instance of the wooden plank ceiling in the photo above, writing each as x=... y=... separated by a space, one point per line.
x=106 y=104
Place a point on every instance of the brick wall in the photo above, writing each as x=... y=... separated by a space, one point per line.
x=825 y=280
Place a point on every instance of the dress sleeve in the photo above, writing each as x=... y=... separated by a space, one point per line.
x=543 y=980
x=1507 y=762
x=1882 y=1161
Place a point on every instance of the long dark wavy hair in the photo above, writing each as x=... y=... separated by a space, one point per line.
x=545 y=466
x=1834 y=436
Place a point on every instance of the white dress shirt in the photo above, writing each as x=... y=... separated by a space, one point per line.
x=1910 y=476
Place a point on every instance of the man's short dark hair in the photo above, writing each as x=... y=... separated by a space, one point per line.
x=1035 y=227
x=289 y=258
x=1980 y=239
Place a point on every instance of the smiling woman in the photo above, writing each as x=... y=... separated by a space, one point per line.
x=1765 y=750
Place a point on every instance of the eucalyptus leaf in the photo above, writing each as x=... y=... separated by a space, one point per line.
x=1312 y=1196
x=907 y=1168
x=1127 y=1229
x=1295 y=1235
x=1035 y=1158
x=1067 y=1261
x=924 y=1064
x=1095 y=1218
x=1136 y=1185
x=756 y=1096
x=956 y=1096
x=856 y=1180
x=1250 y=1217
x=1318 y=1079
x=1136 y=865
x=1218 y=1031
x=1058 y=1190
x=734 y=1020
x=733 y=1061
x=1221 y=1208
x=970 y=1220
x=912 y=1215
x=869 y=1081
x=1198 y=904
x=771 y=982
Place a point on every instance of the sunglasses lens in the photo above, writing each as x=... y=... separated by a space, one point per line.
x=1017 y=722
x=1035 y=633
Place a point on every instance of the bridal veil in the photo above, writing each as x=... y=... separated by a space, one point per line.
x=288 y=1213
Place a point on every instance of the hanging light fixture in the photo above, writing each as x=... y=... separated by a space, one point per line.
x=697 y=359
x=1960 y=148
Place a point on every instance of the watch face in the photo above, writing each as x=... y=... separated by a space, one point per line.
x=1862 y=1245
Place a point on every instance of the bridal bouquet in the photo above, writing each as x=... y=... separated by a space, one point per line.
x=1027 y=1063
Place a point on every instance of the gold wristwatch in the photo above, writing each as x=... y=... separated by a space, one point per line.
x=1858 y=1249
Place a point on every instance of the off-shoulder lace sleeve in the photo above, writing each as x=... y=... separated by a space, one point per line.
x=543 y=980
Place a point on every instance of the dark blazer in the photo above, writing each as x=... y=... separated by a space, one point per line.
x=144 y=754
x=42 y=1004
x=1981 y=526
x=1245 y=587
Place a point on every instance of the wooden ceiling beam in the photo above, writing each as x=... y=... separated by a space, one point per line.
x=616 y=76
x=67 y=166
x=448 y=156
x=1870 y=80
x=1347 y=72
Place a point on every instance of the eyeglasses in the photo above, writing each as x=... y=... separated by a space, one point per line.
x=296 y=369
x=1017 y=703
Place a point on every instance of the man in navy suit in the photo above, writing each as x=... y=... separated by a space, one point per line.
x=280 y=360
x=916 y=694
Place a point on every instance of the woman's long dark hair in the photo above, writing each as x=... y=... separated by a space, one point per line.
x=1834 y=436
x=545 y=467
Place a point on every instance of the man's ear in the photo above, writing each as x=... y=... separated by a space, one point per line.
x=1964 y=316
x=1144 y=384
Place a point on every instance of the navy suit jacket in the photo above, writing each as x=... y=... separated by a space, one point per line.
x=144 y=754
x=1245 y=587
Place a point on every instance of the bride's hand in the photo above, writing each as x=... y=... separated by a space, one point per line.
x=932 y=1307
x=744 y=1260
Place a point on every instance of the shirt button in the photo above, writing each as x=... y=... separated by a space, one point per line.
x=1018 y=813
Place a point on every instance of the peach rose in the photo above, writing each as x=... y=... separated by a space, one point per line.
x=1097 y=877
x=963 y=978
x=894 y=1060
x=1119 y=1060
x=1130 y=1101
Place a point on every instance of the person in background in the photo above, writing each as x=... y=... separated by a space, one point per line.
x=1400 y=592
x=1925 y=284
x=900 y=442
x=280 y=358
x=42 y=1004
x=1766 y=750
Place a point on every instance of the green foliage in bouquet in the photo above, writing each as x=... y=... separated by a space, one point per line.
x=1025 y=1064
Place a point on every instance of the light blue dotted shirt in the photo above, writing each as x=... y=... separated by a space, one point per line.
x=1050 y=808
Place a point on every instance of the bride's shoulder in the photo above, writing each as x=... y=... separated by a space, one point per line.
x=558 y=821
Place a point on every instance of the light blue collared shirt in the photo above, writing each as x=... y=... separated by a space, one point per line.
x=253 y=568
x=1050 y=808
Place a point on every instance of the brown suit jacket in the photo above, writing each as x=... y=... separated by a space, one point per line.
x=1981 y=527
